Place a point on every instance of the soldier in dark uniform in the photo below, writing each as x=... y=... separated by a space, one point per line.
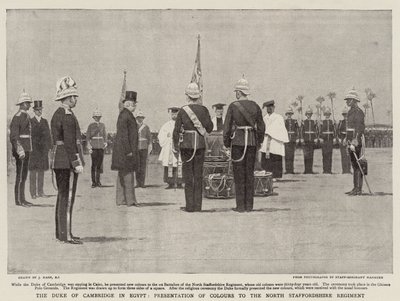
x=192 y=123
x=96 y=137
x=244 y=130
x=125 y=154
x=342 y=126
x=354 y=137
x=67 y=157
x=310 y=132
x=41 y=144
x=292 y=128
x=144 y=149
x=218 y=120
x=21 y=143
x=327 y=135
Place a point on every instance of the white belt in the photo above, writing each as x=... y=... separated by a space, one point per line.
x=24 y=136
x=309 y=132
x=350 y=130
x=327 y=132
x=291 y=132
x=97 y=138
x=142 y=139
x=244 y=127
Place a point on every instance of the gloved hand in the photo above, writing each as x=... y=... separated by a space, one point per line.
x=130 y=155
x=79 y=169
x=21 y=155
x=90 y=151
x=297 y=141
x=321 y=140
x=105 y=145
x=352 y=148
x=335 y=141
x=315 y=140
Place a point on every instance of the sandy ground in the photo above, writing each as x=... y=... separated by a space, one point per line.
x=308 y=226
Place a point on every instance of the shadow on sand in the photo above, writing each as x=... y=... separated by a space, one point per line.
x=42 y=205
x=151 y=204
x=104 y=239
x=216 y=210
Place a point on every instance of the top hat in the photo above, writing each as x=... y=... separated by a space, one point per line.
x=37 y=105
x=269 y=103
x=130 y=95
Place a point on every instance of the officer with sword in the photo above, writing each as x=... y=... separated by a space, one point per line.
x=67 y=157
x=355 y=141
x=192 y=123
x=244 y=133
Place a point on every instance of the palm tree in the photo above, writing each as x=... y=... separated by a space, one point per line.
x=366 y=107
x=370 y=96
x=332 y=95
x=320 y=100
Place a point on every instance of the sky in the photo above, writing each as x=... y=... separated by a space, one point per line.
x=282 y=53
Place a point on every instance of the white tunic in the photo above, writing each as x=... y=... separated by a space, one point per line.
x=165 y=140
x=277 y=135
x=214 y=121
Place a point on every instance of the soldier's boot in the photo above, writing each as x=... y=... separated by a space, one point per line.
x=94 y=178
x=360 y=184
x=98 y=183
x=354 y=184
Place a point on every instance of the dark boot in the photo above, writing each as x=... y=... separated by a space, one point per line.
x=354 y=184
x=98 y=183
x=358 y=178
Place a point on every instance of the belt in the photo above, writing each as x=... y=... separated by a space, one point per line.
x=327 y=132
x=95 y=138
x=245 y=127
x=309 y=132
x=350 y=130
x=24 y=136
x=343 y=132
x=142 y=139
x=60 y=142
x=291 y=132
x=190 y=131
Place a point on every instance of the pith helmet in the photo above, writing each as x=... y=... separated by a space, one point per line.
x=309 y=111
x=327 y=111
x=24 y=97
x=66 y=86
x=192 y=90
x=289 y=110
x=352 y=94
x=97 y=113
x=140 y=114
x=243 y=86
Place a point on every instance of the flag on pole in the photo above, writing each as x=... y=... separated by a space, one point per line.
x=197 y=75
x=123 y=90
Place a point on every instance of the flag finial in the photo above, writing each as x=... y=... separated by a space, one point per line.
x=198 y=37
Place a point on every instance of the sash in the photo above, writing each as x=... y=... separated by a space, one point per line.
x=196 y=122
x=245 y=113
x=141 y=128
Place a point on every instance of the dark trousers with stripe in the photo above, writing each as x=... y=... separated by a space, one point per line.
x=345 y=159
x=272 y=164
x=327 y=149
x=97 y=163
x=20 y=178
x=243 y=173
x=308 y=150
x=36 y=180
x=141 y=171
x=64 y=204
x=290 y=149
x=193 y=177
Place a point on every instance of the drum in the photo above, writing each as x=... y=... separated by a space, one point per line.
x=263 y=185
x=218 y=186
x=215 y=147
x=211 y=167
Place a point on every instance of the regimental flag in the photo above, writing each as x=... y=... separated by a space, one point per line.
x=123 y=90
x=197 y=75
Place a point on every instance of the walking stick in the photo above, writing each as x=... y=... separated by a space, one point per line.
x=362 y=172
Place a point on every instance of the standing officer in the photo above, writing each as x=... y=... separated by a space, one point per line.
x=125 y=153
x=310 y=138
x=67 y=156
x=292 y=128
x=96 y=137
x=328 y=134
x=354 y=138
x=218 y=119
x=192 y=123
x=21 y=143
x=41 y=144
x=342 y=126
x=243 y=131
x=144 y=149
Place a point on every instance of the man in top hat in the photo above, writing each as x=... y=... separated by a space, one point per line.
x=125 y=155
x=310 y=132
x=67 y=156
x=144 y=149
x=328 y=134
x=21 y=143
x=292 y=128
x=342 y=126
x=218 y=119
x=41 y=144
x=192 y=123
x=243 y=131
x=354 y=139
x=172 y=170
x=96 y=137
x=273 y=147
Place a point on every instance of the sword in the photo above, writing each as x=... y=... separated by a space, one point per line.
x=362 y=172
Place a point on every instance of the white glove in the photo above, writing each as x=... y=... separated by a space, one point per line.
x=90 y=151
x=105 y=145
x=315 y=140
x=79 y=169
x=21 y=155
x=352 y=148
